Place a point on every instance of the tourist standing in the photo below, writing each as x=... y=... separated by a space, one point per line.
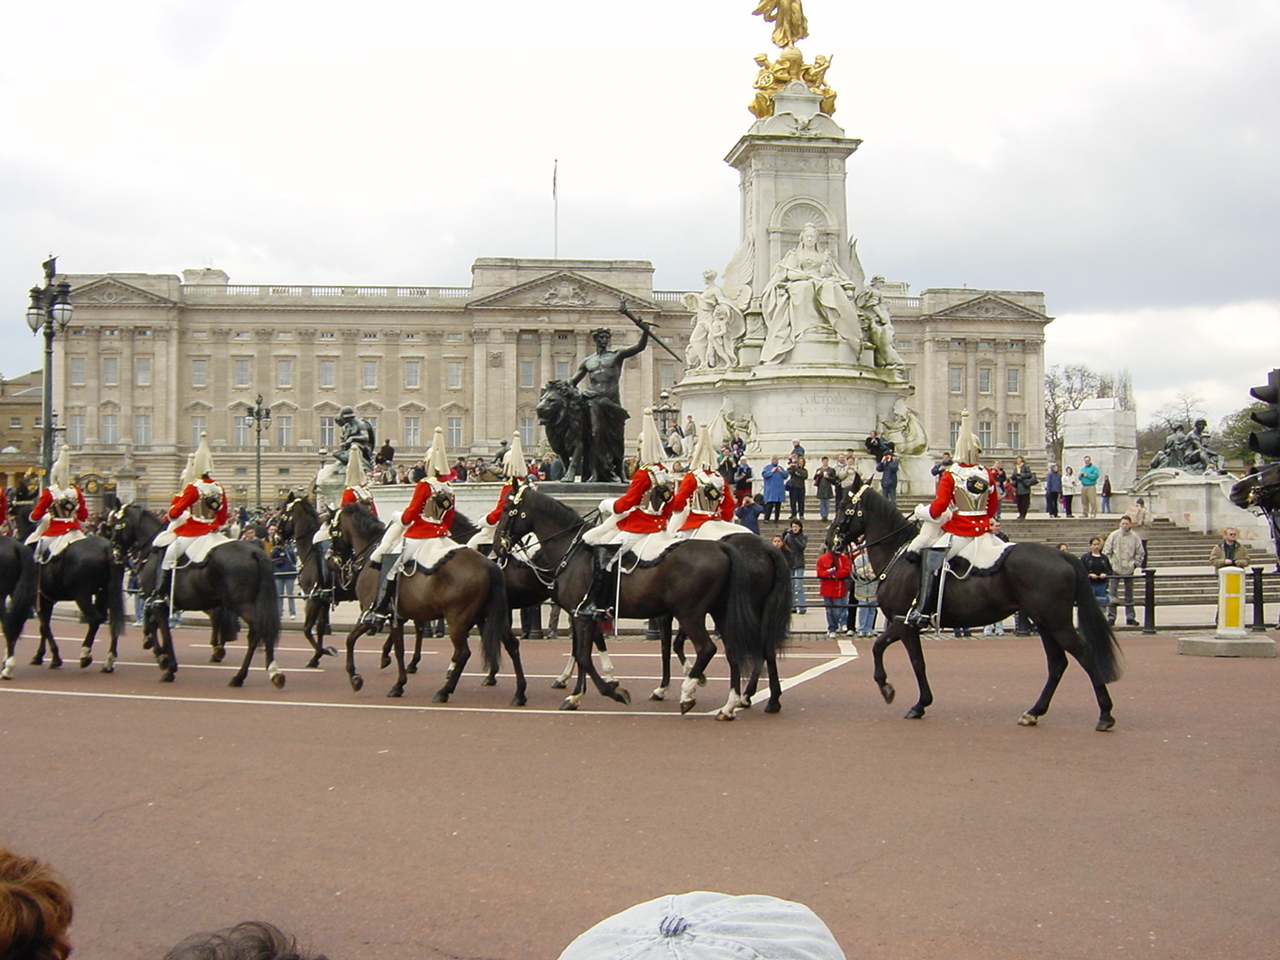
x=750 y=512
x=1125 y=550
x=1089 y=489
x=1070 y=490
x=1052 y=489
x=834 y=570
x=827 y=483
x=742 y=479
x=1230 y=552
x=1098 y=567
x=943 y=465
x=888 y=470
x=774 y=478
x=1023 y=480
x=865 y=583
x=1106 y=494
x=797 y=478
x=797 y=541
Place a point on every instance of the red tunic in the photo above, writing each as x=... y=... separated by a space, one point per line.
x=689 y=486
x=636 y=516
x=58 y=526
x=349 y=496
x=417 y=525
x=963 y=525
x=496 y=513
x=193 y=526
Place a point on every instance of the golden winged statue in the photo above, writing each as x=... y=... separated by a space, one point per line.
x=787 y=17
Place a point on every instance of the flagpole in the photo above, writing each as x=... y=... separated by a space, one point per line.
x=555 y=204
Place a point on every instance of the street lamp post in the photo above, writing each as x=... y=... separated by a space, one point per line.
x=51 y=309
x=666 y=414
x=261 y=417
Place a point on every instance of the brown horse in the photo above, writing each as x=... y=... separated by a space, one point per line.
x=465 y=590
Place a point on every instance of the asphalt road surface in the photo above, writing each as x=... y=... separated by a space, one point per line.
x=399 y=829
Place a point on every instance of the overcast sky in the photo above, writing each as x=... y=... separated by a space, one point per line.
x=1120 y=157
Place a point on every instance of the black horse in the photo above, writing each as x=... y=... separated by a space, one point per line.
x=1041 y=581
x=236 y=575
x=1260 y=491
x=87 y=572
x=17 y=595
x=696 y=578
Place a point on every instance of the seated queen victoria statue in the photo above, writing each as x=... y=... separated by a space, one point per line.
x=808 y=292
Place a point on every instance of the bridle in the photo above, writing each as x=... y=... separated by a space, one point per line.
x=856 y=509
x=503 y=545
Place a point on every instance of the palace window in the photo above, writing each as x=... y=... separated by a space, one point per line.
x=328 y=371
x=75 y=429
x=284 y=430
x=955 y=433
x=453 y=337
x=369 y=374
x=326 y=431
x=984 y=379
x=526 y=374
x=562 y=369
x=412 y=374
x=199 y=425
x=1014 y=436
x=110 y=372
x=453 y=432
x=142 y=429
x=240 y=431
x=1013 y=380
x=666 y=376
x=75 y=371
x=412 y=432
x=110 y=428
x=142 y=371
x=199 y=373
x=527 y=431
x=241 y=372
x=984 y=434
x=284 y=374
x=955 y=379
x=453 y=375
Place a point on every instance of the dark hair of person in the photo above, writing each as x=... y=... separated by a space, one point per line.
x=251 y=940
x=35 y=910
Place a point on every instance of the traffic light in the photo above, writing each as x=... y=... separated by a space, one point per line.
x=1267 y=441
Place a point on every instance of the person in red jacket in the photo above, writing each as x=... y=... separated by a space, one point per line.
x=639 y=514
x=199 y=511
x=426 y=520
x=4 y=506
x=965 y=502
x=702 y=508
x=59 y=512
x=834 y=571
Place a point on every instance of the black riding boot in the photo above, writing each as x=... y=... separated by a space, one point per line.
x=922 y=611
x=597 y=603
x=160 y=594
x=376 y=616
x=324 y=576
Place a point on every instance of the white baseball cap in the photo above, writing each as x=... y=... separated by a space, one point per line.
x=709 y=926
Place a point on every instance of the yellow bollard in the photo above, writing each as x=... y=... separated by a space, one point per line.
x=1231 y=597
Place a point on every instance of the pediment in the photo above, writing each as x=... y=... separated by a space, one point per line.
x=114 y=293
x=563 y=290
x=987 y=306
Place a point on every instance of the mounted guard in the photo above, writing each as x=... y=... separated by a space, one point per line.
x=638 y=517
x=702 y=508
x=59 y=512
x=420 y=537
x=355 y=491
x=961 y=511
x=514 y=467
x=197 y=516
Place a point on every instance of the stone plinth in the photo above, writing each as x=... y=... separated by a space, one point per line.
x=1219 y=647
x=1099 y=429
x=1199 y=502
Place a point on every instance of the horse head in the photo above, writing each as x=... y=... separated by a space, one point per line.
x=1258 y=490
x=514 y=523
x=849 y=523
x=356 y=530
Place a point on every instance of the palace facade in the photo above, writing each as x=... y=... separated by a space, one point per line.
x=152 y=361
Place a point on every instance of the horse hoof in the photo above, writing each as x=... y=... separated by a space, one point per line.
x=147 y=643
x=1028 y=720
x=411 y=668
x=330 y=651
x=489 y=682
x=519 y=700
x=1105 y=724
x=85 y=661
x=569 y=705
x=166 y=678
x=702 y=681
x=915 y=713
x=558 y=685
x=658 y=695
x=888 y=692
x=218 y=654
x=55 y=663
x=384 y=662
x=236 y=682
x=773 y=706
x=357 y=682
x=687 y=705
x=725 y=716
x=108 y=669
x=395 y=692
x=313 y=663
x=277 y=681
x=36 y=661
x=440 y=698
x=622 y=696
x=163 y=661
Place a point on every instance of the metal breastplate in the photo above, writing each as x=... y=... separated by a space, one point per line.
x=208 y=503
x=707 y=496
x=64 y=506
x=660 y=490
x=972 y=487
x=438 y=503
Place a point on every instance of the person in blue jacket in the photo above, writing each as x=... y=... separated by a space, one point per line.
x=774 y=476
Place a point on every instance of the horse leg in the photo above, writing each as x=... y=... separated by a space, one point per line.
x=385 y=660
x=93 y=617
x=513 y=651
x=461 y=654
x=46 y=637
x=274 y=673
x=1056 y=658
x=886 y=638
x=166 y=658
x=396 y=638
x=734 y=702
x=664 y=635
x=354 y=678
x=915 y=652
x=585 y=631
x=239 y=678
x=705 y=650
x=420 y=631
x=313 y=629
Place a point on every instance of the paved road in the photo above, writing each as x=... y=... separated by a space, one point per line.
x=397 y=829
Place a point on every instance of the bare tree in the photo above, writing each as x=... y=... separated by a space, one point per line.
x=1067 y=387
x=1186 y=408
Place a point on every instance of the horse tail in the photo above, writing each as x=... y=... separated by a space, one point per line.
x=775 y=619
x=22 y=602
x=265 y=624
x=226 y=625
x=1099 y=639
x=744 y=640
x=115 y=595
x=495 y=619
